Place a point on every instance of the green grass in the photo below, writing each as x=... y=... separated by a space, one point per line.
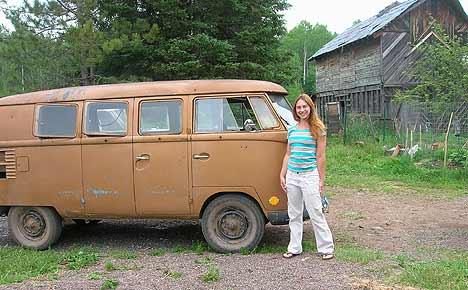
x=157 y=252
x=212 y=275
x=109 y=266
x=352 y=215
x=204 y=261
x=357 y=254
x=78 y=259
x=449 y=272
x=19 y=264
x=366 y=167
x=123 y=255
x=95 y=276
x=109 y=284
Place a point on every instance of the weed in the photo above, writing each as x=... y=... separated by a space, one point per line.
x=109 y=266
x=157 y=252
x=204 y=261
x=175 y=275
x=212 y=275
x=357 y=254
x=109 y=284
x=178 y=250
x=95 y=276
x=199 y=247
x=123 y=255
x=78 y=259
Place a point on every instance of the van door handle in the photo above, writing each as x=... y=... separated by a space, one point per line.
x=143 y=157
x=201 y=156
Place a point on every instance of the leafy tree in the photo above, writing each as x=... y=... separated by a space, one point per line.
x=441 y=71
x=304 y=40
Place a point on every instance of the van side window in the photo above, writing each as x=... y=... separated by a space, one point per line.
x=106 y=118
x=264 y=113
x=56 y=121
x=223 y=114
x=161 y=117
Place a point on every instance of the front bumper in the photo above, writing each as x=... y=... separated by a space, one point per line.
x=282 y=218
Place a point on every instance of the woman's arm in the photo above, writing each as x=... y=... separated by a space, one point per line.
x=284 y=168
x=321 y=146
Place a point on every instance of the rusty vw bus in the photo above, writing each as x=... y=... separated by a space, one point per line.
x=208 y=150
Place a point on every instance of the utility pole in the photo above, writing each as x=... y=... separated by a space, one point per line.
x=305 y=63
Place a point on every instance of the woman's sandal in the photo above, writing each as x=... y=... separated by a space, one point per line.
x=289 y=255
x=328 y=256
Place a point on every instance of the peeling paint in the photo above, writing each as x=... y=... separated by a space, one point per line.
x=162 y=190
x=66 y=192
x=98 y=192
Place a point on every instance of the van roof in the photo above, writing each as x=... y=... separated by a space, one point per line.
x=159 y=88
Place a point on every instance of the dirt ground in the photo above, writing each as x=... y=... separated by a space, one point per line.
x=394 y=224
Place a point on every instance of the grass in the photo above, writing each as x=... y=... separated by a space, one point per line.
x=109 y=284
x=95 y=276
x=109 y=266
x=366 y=167
x=449 y=272
x=172 y=274
x=204 y=261
x=19 y=264
x=357 y=254
x=123 y=255
x=353 y=215
x=157 y=252
x=212 y=275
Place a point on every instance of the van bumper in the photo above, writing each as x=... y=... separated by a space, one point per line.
x=282 y=218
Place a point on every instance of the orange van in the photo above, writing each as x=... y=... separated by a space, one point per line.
x=208 y=150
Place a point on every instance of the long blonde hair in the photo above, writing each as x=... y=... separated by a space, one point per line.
x=316 y=125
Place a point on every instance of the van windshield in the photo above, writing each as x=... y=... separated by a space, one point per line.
x=283 y=108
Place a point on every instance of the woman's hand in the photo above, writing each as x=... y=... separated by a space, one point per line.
x=283 y=183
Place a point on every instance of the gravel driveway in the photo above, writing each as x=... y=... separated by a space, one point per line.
x=259 y=271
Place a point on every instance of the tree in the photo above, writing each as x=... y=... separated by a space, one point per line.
x=441 y=72
x=304 y=40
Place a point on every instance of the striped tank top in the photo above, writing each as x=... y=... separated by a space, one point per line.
x=303 y=150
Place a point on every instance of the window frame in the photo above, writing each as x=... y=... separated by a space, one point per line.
x=96 y=134
x=179 y=100
x=194 y=113
x=272 y=111
x=36 y=120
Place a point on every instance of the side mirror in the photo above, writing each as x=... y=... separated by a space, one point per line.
x=249 y=126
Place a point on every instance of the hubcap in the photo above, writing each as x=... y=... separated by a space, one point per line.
x=233 y=224
x=33 y=224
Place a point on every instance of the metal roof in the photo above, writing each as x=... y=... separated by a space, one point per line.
x=365 y=28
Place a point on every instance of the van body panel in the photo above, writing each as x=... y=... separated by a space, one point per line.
x=3 y=191
x=18 y=122
x=239 y=160
x=108 y=186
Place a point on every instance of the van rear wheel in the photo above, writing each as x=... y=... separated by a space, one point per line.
x=34 y=227
x=233 y=222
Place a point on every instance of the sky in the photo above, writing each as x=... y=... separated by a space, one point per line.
x=337 y=15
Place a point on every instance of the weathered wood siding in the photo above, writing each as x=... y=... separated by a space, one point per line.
x=354 y=66
x=410 y=29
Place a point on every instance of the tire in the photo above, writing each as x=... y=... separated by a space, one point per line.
x=33 y=227
x=231 y=223
x=86 y=222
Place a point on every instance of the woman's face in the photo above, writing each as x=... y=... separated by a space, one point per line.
x=302 y=110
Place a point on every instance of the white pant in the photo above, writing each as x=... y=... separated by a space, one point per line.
x=303 y=188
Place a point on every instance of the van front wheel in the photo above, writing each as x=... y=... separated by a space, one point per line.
x=233 y=222
x=34 y=227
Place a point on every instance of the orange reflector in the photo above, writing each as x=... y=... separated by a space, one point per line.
x=273 y=200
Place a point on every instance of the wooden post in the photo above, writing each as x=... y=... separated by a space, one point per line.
x=420 y=136
x=446 y=140
x=406 y=140
x=411 y=139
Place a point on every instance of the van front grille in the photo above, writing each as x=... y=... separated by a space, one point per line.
x=7 y=163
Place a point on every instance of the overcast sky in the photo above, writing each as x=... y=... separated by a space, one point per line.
x=336 y=14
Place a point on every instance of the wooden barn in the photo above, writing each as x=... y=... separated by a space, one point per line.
x=361 y=69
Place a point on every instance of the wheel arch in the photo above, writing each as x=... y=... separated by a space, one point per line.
x=225 y=193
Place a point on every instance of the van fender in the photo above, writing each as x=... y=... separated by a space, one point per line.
x=201 y=197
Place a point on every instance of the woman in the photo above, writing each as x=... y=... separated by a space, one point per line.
x=302 y=178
